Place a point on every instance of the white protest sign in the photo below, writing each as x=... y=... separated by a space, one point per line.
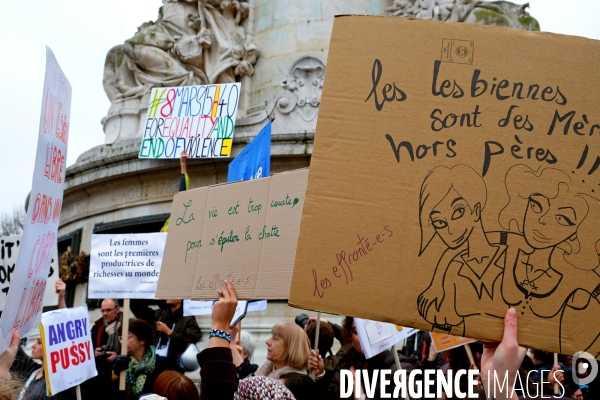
x=9 y=251
x=125 y=266
x=378 y=331
x=201 y=307
x=68 y=350
x=29 y=278
x=197 y=119
x=258 y=305
x=376 y=336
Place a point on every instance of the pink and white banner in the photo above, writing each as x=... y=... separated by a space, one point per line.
x=28 y=283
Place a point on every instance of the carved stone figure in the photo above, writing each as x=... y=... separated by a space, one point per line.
x=296 y=106
x=303 y=86
x=502 y=13
x=192 y=42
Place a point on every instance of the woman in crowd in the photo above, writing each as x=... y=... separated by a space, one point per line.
x=142 y=365
x=247 y=343
x=242 y=353
x=175 y=386
x=288 y=350
x=175 y=332
x=218 y=379
x=218 y=373
x=32 y=373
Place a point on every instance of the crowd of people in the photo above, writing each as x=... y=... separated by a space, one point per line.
x=158 y=340
x=161 y=348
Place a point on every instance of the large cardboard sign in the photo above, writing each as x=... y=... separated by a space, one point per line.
x=68 y=348
x=125 y=266
x=455 y=173
x=28 y=282
x=197 y=119
x=245 y=232
x=9 y=252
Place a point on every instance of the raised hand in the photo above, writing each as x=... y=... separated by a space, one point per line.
x=503 y=359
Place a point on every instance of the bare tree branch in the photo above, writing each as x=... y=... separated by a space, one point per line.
x=12 y=223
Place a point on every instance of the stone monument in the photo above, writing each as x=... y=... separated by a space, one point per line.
x=500 y=13
x=190 y=43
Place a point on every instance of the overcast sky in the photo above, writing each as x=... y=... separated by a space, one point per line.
x=80 y=33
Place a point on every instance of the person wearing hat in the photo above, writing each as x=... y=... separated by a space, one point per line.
x=141 y=364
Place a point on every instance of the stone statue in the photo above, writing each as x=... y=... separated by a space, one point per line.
x=192 y=42
x=501 y=13
x=301 y=94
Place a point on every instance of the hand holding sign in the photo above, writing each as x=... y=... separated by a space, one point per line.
x=183 y=161
x=315 y=362
x=60 y=286
x=504 y=358
x=8 y=357
x=224 y=309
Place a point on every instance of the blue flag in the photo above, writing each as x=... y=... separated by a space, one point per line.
x=255 y=160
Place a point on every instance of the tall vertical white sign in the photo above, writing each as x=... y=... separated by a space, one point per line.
x=26 y=294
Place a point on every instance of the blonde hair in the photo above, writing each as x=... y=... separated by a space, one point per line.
x=10 y=388
x=297 y=345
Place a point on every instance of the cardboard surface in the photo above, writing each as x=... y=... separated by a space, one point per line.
x=443 y=342
x=454 y=174
x=246 y=232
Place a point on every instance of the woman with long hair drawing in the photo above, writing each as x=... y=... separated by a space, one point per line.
x=552 y=273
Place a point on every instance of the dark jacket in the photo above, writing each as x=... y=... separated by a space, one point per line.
x=218 y=379
x=246 y=369
x=349 y=357
x=420 y=350
x=99 y=335
x=186 y=329
x=159 y=368
x=102 y=385
x=23 y=367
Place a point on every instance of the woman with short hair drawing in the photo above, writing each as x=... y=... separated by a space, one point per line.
x=468 y=277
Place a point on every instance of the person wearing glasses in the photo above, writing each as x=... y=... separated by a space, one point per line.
x=106 y=339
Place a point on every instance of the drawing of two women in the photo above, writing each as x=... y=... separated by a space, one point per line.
x=544 y=262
